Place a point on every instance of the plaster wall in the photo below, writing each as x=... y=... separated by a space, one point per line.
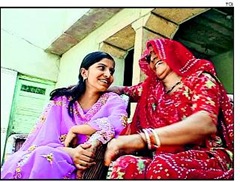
x=8 y=80
x=71 y=60
x=27 y=32
x=19 y=55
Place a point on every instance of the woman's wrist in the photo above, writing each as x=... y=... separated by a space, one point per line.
x=73 y=129
x=150 y=138
x=134 y=141
x=68 y=150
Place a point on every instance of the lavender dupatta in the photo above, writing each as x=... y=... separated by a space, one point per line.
x=40 y=157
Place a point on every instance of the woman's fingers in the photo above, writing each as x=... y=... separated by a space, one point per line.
x=66 y=142
x=86 y=145
x=83 y=158
x=87 y=154
x=80 y=167
x=108 y=157
x=86 y=158
x=111 y=152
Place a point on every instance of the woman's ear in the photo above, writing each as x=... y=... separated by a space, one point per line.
x=84 y=73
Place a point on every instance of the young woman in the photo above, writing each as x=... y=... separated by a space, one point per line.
x=183 y=121
x=102 y=114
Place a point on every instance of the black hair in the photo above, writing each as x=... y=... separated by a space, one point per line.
x=76 y=91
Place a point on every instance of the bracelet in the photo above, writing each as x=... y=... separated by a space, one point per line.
x=151 y=138
x=157 y=139
x=147 y=138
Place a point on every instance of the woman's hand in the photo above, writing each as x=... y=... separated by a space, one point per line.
x=123 y=144
x=70 y=136
x=116 y=89
x=82 y=156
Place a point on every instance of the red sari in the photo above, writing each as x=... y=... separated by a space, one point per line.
x=200 y=90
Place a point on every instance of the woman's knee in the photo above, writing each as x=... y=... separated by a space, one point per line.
x=129 y=167
x=161 y=168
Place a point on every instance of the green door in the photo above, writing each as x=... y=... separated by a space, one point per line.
x=31 y=95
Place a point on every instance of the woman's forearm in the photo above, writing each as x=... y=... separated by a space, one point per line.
x=83 y=129
x=191 y=130
x=133 y=141
x=68 y=150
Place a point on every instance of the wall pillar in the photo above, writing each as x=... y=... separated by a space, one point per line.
x=142 y=35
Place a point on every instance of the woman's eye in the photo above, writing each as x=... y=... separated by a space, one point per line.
x=112 y=71
x=101 y=68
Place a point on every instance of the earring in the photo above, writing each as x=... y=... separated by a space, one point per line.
x=84 y=78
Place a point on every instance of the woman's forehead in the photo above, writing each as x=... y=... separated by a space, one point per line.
x=151 y=50
x=106 y=62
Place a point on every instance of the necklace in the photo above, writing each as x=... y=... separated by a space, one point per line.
x=168 y=91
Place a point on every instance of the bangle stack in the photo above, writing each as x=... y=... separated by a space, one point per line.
x=150 y=136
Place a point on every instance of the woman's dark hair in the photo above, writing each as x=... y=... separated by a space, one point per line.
x=76 y=91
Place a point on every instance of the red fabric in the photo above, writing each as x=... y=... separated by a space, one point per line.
x=201 y=90
x=177 y=57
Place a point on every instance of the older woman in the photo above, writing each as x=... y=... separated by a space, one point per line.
x=183 y=124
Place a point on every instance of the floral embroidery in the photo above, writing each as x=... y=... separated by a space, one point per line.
x=120 y=174
x=49 y=157
x=186 y=93
x=106 y=131
x=18 y=174
x=31 y=148
x=210 y=101
x=195 y=97
x=18 y=170
x=140 y=166
x=124 y=120
x=209 y=84
x=154 y=106
x=62 y=137
x=96 y=107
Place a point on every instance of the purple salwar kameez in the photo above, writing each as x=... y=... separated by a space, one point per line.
x=40 y=156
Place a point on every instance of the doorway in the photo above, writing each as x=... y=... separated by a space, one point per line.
x=128 y=73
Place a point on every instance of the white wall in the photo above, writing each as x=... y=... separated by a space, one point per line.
x=27 y=32
x=18 y=54
x=8 y=81
x=71 y=60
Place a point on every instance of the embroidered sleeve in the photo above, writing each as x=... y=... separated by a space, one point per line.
x=114 y=122
x=105 y=133
x=206 y=95
x=134 y=92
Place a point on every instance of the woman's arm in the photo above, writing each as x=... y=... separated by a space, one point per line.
x=84 y=129
x=82 y=156
x=190 y=130
x=113 y=120
x=134 y=92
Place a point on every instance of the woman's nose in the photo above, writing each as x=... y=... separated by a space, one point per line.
x=153 y=59
x=107 y=73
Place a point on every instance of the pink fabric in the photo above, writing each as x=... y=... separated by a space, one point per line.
x=40 y=158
